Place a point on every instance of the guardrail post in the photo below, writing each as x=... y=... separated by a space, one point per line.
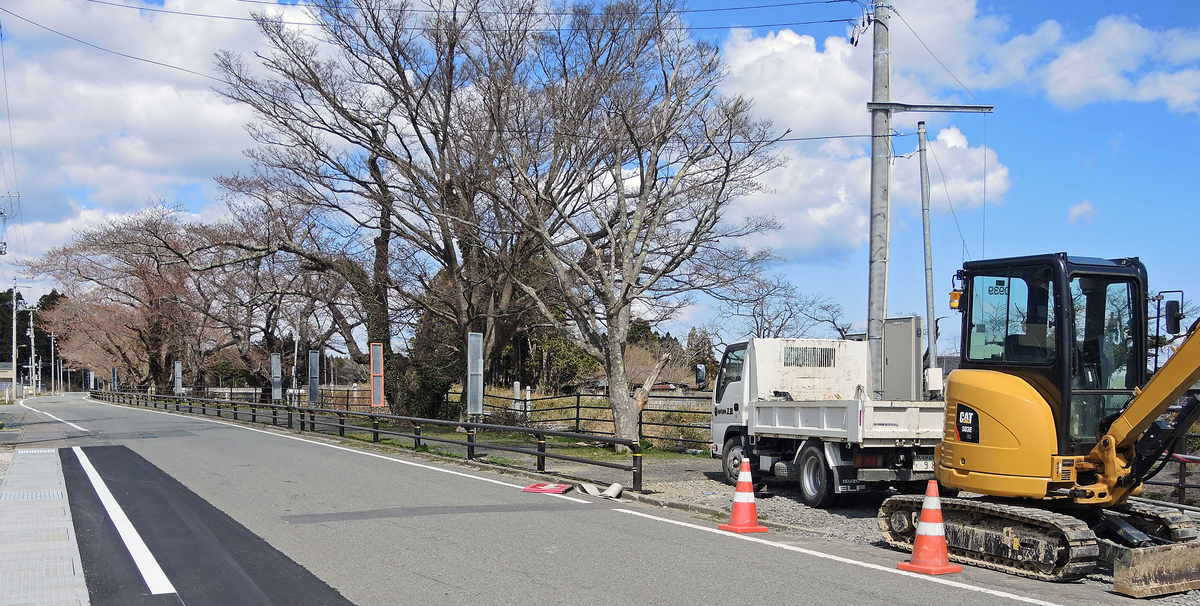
x=417 y=434
x=577 y=404
x=341 y=425
x=312 y=420
x=637 y=466
x=375 y=429
x=235 y=417
x=541 y=459
x=471 y=444
x=289 y=409
x=253 y=414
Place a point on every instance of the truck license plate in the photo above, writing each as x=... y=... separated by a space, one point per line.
x=922 y=462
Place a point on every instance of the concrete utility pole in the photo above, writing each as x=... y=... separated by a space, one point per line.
x=53 y=379
x=930 y=319
x=881 y=108
x=33 y=374
x=881 y=156
x=14 y=338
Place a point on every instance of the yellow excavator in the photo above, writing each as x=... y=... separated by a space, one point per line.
x=1053 y=422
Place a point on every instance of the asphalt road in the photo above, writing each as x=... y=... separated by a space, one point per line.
x=382 y=530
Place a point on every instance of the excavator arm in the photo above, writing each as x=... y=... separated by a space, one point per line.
x=1137 y=438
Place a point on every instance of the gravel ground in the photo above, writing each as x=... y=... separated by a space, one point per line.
x=698 y=482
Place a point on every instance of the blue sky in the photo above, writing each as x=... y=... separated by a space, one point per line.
x=1089 y=150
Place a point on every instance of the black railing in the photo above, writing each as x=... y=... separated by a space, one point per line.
x=685 y=423
x=285 y=414
x=1182 y=459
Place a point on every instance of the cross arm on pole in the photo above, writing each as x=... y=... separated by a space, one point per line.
x=907 y=107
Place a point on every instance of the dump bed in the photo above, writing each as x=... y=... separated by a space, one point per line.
x=817 y=388
x=867 y=422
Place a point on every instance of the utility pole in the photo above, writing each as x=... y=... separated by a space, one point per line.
x=14 y=338
x=932 y=383
x=881 y=157
x=33 y=374
x=881 y=108
x=53 y=379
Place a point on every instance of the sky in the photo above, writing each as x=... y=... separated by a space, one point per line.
x=1089 y=150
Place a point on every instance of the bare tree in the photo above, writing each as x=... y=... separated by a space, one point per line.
x=383 y=125
x=120 y=268
x=767 y=307
x=630 y=162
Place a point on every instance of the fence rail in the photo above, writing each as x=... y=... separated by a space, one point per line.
x=329 y=418
x=1182 y=459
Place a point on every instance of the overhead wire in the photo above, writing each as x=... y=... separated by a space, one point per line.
x=118 y=53
x=946 y=188
x=983 y=238
x=13 y=194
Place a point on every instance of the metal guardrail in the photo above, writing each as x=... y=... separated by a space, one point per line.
x=312 y=417
x=1183 y=459
x=682 y=424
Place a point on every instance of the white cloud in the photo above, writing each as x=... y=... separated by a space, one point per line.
x=1084 y=211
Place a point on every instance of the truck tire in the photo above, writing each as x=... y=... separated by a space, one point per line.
x=731 y=459
x=816 y=477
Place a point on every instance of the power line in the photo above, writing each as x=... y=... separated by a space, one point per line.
x=423 y=28
x=568 y=13
x=119 y=54
x=946 y=188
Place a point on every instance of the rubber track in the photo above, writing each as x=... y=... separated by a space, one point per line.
x=1181 y=527
x=1081 y=541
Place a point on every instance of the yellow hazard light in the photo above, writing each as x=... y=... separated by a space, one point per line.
x=955 y=296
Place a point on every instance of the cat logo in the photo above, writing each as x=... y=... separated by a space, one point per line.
x=967 y=427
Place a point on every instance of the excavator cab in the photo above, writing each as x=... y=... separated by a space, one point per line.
x=1053 y=346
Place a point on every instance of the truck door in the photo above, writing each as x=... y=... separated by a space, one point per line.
x=729 y=393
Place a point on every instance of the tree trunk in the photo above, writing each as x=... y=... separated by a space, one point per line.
x=624 y=407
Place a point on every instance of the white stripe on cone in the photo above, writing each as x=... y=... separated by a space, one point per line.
x=744 y=476
x=931 y=529
x=743 y=497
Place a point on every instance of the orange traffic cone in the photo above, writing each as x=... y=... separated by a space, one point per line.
x=744 y=517
x=929 y=548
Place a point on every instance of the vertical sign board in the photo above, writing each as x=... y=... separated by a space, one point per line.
x=276 y=377
x=113 y=386
x=377 y=375
x=91 y=380
x=178 y=378
x=314 y=377
x=474 y=373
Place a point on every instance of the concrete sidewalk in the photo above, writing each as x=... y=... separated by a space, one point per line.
x=39 y=556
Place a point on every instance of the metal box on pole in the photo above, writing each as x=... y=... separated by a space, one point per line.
x=377 y=375
x=474 y=373
x=314 y=377
x=276 y=377
x=178 y=378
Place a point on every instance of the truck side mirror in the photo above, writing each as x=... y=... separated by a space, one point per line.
x=1173 y=317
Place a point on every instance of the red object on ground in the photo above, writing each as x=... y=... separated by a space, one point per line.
x=744 y=516
x=929 y=548
x=547 y=488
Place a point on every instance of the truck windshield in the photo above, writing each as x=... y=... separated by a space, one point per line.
x=731 y=368
x=1102 y=382
x=1012 y=316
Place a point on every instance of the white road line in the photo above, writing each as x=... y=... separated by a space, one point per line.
x=55 y=418
x=153 y=574
x=818 y=554
x=343 y=448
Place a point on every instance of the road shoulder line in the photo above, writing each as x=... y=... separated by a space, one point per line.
x=156 y=580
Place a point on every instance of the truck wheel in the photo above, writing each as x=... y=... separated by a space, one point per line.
x=816 y=478
x=731 y=459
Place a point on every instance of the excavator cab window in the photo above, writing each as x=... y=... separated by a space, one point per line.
x=1102 y=316
x=1012 y=316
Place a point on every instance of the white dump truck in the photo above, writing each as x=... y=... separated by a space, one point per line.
x=802 y=406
